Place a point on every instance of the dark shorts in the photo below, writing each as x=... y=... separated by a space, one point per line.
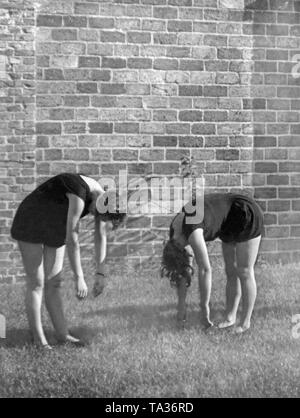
x=40 y=221
x=245 y=221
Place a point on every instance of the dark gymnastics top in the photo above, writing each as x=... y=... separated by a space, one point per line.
x=228 y=216
x=42 y=216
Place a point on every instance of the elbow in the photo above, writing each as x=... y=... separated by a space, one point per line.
x=205 y=270
x=72 y=243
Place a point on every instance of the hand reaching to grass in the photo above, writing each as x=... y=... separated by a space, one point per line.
x=81 y=288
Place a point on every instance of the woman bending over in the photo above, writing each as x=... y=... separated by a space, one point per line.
x=237 y=221
x=45 y=224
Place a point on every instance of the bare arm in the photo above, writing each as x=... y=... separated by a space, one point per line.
x=198 y=244
x=100 y=240
x=76 y=206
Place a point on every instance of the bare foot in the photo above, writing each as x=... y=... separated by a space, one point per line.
x=226 y=324
x=241 y=330
x=70 y=340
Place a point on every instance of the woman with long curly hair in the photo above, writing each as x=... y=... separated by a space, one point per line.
x=46 y=223
x=237 y=221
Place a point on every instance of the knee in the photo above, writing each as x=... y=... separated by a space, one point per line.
x=244 y=272
x=231 y=272
x=35 y=283
x=54 y=282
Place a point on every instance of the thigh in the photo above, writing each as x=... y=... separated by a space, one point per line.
x=229 y=255
x=53 y=261
x=32 y=257
x=246 y=252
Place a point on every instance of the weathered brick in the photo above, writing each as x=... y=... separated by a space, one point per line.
x=178 y=51
x=76 y=101
x=112 y=88
x=74 y=128
x=139 y=37
x=165 y=12
x=139 y=63
x=112 y=36
x=127 y=50
x=190 y=115
x=190 y=90
x=191 y=141
x=48 y=128
x=125 y=155
x=264 y=141
x=180 y=26
x=165 y=39
x=86 y=8
x=49 y=20
x=166 y=168
x=76 y=154
x=61 y=114
x=165 y=141
x=101 y=22
x=74 y=21
x=164 y=115
x=265 y=193
x=54 y=74
x=154 y=128
x=87 y=88
x=112 y=114
x=72 y=48
x=129 y=102
x=127 y=127
x=89 y=62
x=151 y=155
x=64 y=61
x=108 y=62
x=100 y=127
x=216 y=115
x=64 y=34
x=100 y=75
x=212 y=91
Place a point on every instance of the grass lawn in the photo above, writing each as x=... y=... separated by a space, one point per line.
x=135 y=349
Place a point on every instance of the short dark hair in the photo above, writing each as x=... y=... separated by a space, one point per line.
x=117 y=218
x=112 y=213
x=176 y=264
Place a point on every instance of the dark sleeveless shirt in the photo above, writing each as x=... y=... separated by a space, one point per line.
x=42 y=216
x=228 y=216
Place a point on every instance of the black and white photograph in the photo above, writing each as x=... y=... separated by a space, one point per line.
x=149 y=201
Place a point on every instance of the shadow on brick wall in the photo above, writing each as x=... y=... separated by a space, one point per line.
x=275 y=104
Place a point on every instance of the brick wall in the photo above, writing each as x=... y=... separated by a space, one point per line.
x=17 y=120
x=139 y=84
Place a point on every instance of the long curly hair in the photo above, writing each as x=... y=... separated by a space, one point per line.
x=175 y=264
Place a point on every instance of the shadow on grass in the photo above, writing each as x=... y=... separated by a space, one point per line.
x=164 y=317
x=20 y=337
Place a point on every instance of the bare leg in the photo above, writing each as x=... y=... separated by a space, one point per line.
x=233 y=286
x=53 y=264
x=246 y=253
x=32 y=256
